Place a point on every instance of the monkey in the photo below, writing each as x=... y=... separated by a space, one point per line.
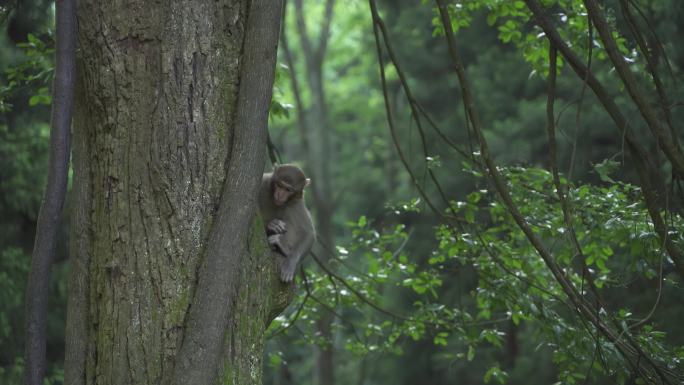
x=287 y=222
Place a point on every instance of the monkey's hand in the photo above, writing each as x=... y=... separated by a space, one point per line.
x=276 y=226
x=274 y=242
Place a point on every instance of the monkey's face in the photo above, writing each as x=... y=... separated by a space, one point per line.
x=287 y=184
x=282 y=192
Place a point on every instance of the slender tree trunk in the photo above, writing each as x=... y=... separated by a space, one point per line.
x=171 y=279
x=512 y=347
x=324 y=212
x=316 y=129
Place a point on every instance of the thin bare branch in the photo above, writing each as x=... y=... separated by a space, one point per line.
x=578 y=113
x=644 y=320
x=651 y=67
x=415 y=113
x=296 y=90
x=659 y=43
x=629 y=349
x=640 y=158
x=390 y=118
x=303 y=29
x=560 y=189
x=273 y=153
x=324 y=35
x=358 y=294
x=294 y=318
x=445 y=138
x=327 y=307
x=664 y=139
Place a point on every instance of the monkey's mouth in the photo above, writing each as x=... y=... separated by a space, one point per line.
x=280 y=196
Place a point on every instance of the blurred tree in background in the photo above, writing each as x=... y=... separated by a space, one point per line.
x=26 y=59
x=474 y=302
x=427 y=277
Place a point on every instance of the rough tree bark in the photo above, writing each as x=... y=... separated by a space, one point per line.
x=172 y=281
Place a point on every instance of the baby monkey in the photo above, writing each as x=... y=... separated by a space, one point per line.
x=288 y=223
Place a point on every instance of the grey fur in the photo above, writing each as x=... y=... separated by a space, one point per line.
x=289 y=227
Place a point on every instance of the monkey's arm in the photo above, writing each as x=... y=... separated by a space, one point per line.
x=295 y=243
x=301 y=248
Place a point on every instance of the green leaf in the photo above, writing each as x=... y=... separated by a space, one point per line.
x=496 y=374
x=40 y=99
x=33 y=39
x=491 y=18
x=605 y=168
x=441 y=339
x=471 y=353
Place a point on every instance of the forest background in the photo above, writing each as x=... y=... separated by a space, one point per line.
x=422 y=273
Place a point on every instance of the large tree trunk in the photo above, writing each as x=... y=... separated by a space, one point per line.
x=169 y=282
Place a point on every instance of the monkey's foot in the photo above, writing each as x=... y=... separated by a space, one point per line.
x=285 y=268
x=287 y=271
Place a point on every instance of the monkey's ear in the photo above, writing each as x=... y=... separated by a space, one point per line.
x=307 y=182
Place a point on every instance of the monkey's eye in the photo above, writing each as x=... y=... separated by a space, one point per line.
x=285 y=187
